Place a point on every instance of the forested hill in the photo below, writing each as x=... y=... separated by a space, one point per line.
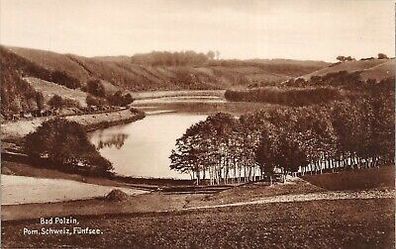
x=169 y=71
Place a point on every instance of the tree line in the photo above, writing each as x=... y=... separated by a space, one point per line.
x=285 y=96
x=316 y=138
x=183 y=58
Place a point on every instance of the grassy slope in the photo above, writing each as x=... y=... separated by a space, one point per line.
x=49 y=89
x=375 y=69
x=121 y=72
x=380 y=71
x=52 y=61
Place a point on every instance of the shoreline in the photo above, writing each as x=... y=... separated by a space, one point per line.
x=15 y=131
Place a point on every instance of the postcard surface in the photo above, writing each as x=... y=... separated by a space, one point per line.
x=197 y=124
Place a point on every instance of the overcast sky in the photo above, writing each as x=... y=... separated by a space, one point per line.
x=297 y=29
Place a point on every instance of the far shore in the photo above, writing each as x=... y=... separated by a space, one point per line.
x=15 y=131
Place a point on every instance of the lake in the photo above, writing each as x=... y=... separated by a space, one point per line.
x=142 y=148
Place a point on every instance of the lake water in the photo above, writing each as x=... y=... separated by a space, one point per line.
x=142 y=148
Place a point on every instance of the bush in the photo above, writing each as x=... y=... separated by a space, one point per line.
x=57 y=102
x=65 y=144
x=118 y=99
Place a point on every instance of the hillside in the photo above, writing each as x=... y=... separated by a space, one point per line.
x=334 y=82
x=137 y=75
x=381 y=71
x=27 y=73
x=370 y=69
x=16 y=94
x=49 y=89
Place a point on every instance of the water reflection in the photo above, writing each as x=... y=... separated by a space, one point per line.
x=144 y=146
x=111 y=140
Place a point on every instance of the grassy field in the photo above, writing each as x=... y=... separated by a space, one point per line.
x=49 y=89
x=160 y=219
x=345 y=224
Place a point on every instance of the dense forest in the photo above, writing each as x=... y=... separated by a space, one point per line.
x=340 y=134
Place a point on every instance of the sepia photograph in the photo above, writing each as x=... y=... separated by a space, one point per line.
x=202 y=124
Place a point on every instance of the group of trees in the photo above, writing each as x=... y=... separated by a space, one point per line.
x=63 y=78
x=343 y=58
x=116 y=99
x=334 y=79
x=57 y=102
x=285 y=96
x=355 y=133
x=97 y=95
x=183 y=58
x=65 y=145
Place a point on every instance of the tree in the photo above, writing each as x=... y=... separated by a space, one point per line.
x=118 y=99
x=96 y=88
x=127 y=99
x=217 y=54
x=56 y=102
x=92 y=101
x=211 y=54
x=382 y=56
x=345 y=58
x=65 y=144
x=341 y=58
x=40 y=100
x=267 y=150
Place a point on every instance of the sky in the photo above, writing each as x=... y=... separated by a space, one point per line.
x=240 y=29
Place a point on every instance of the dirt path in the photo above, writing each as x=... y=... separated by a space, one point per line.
x=339 y=195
